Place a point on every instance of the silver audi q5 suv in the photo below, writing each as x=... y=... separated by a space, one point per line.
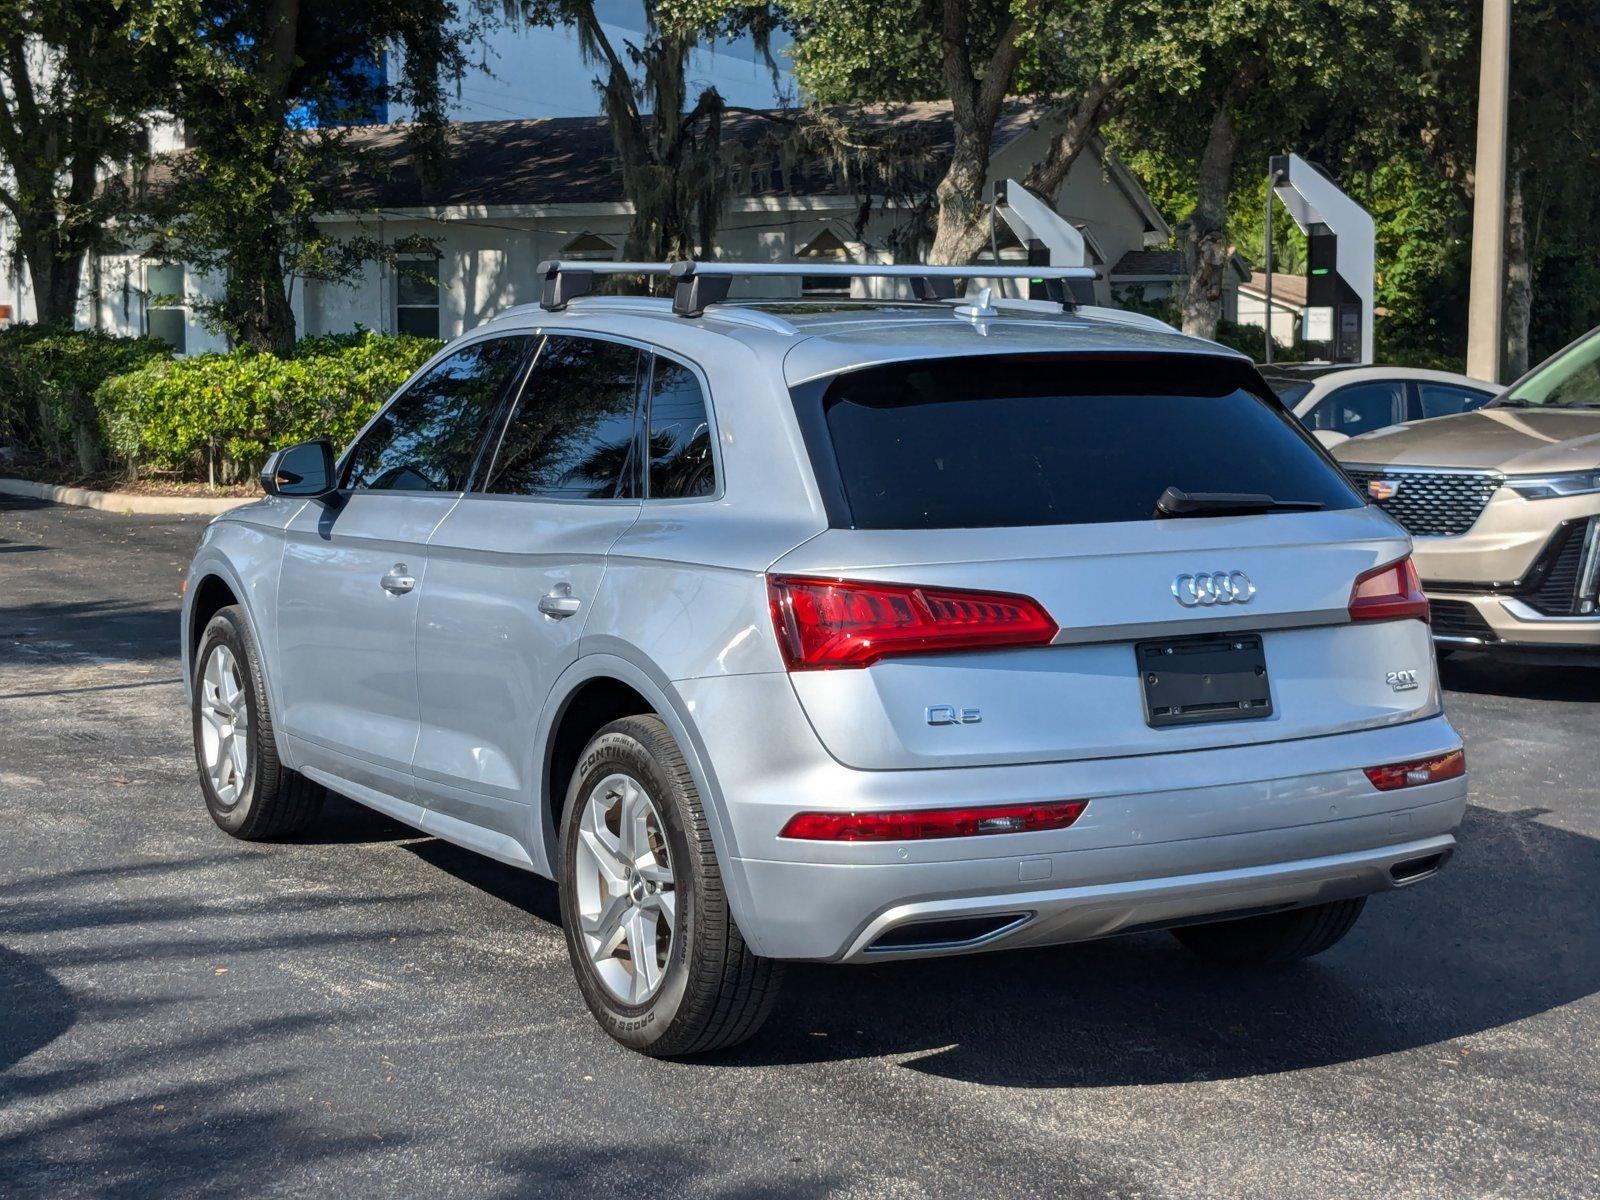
x=840 y=631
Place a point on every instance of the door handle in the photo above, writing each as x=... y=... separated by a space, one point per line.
x=559 y=602
x=398 y=581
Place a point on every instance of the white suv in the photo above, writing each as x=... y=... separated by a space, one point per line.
x=839 y=631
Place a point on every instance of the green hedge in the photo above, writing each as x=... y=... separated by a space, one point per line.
x=229 y=411
x=48 y=380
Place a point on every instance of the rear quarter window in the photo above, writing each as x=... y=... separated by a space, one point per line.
x=1004 y=441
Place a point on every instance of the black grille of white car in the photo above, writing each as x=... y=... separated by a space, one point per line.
x=1564 y=582
x=1427 y=503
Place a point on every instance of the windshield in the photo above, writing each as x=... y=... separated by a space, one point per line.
x=1569 y=380
x=1001 y=441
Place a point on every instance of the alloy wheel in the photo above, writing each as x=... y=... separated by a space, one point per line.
x=625 y=890
x=224 y=724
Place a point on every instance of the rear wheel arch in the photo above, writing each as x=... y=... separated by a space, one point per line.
x=609 y=670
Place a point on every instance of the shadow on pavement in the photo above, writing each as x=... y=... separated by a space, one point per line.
x=68 y=632
x=641 y=1170
x=36 y=1008
x=1509 y=930
x=1486 y=675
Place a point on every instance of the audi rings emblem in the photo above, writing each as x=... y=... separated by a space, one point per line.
x=1208 y=588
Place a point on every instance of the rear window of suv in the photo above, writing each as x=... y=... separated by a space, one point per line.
x=1004 y=441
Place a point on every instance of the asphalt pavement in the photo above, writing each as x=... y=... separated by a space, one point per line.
x=367 y=1011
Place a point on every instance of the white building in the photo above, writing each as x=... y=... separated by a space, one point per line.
x=518 y=192
x=1288 y=305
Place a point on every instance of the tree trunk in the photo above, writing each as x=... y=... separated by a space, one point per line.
x=55 y=272
x=1102 y=100
x=962 y=228
x=1202 y=235
x=265 y=317
x=1519 y=277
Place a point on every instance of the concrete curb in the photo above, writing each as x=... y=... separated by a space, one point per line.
x=124 y=502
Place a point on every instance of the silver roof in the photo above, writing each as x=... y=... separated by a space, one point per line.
x=823 y=338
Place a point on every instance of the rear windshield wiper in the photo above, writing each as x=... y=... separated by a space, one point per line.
x=1176 y=503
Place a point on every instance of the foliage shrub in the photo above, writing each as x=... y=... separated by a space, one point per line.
x=48 y=380
x=229 y=411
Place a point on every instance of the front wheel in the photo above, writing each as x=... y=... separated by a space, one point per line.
x=248 y=792
x=659 y=960
x=1274 y=938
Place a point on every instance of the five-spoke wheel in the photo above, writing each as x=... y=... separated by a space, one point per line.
x=626 y=893
x=248 y=791
x=224 y=724
x=659 y=958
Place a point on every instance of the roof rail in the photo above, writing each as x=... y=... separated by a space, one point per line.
x=703 y=283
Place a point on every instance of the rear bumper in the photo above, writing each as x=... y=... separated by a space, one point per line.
x=961 y=923
x=1165 y=838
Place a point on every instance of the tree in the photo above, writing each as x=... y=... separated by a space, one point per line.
x=1552 y=203
x=675 y=168
x=76 y=79
x=1082 y=61
x=261 y=89
x=1276 y=75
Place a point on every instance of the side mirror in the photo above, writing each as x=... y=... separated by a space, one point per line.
x=304 y=471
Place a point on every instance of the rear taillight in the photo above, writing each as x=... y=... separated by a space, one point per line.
x=826 y=623
x=918 y=824
x=1390 y=593
x=1414 y=774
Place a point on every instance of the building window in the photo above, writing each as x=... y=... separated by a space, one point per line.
x=825 y=247
x=589 y=247
x=165 y=318
x=417 y=297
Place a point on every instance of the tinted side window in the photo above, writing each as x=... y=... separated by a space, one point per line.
x=680 y=435
x=427 y=439
x=574 y=429
x=1446 y=399
x=1360 y=408
x=1000 y=441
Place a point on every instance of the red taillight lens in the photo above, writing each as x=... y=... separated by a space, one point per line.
x=1390 y=593
x=919 y=824
x=1412 y=774
x=825 y=623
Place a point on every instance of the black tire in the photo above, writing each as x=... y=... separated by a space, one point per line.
x=273 y=801
x=1274 y=938
x=714 y=992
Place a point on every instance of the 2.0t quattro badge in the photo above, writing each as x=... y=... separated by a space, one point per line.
x=1209 y=588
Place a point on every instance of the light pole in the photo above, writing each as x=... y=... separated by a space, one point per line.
x=1485 y=334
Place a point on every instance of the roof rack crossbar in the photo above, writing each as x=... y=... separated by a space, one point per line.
x=927 y=283
x=699 y=284
x=563 y=281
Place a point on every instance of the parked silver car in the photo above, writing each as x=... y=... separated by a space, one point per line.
x=839 y=631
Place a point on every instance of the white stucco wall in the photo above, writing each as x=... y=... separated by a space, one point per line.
x=1285 y=321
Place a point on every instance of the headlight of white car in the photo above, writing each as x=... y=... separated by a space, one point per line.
x=1547 y=487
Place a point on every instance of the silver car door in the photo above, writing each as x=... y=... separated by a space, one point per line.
x=511 y=572
x=354 y=571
